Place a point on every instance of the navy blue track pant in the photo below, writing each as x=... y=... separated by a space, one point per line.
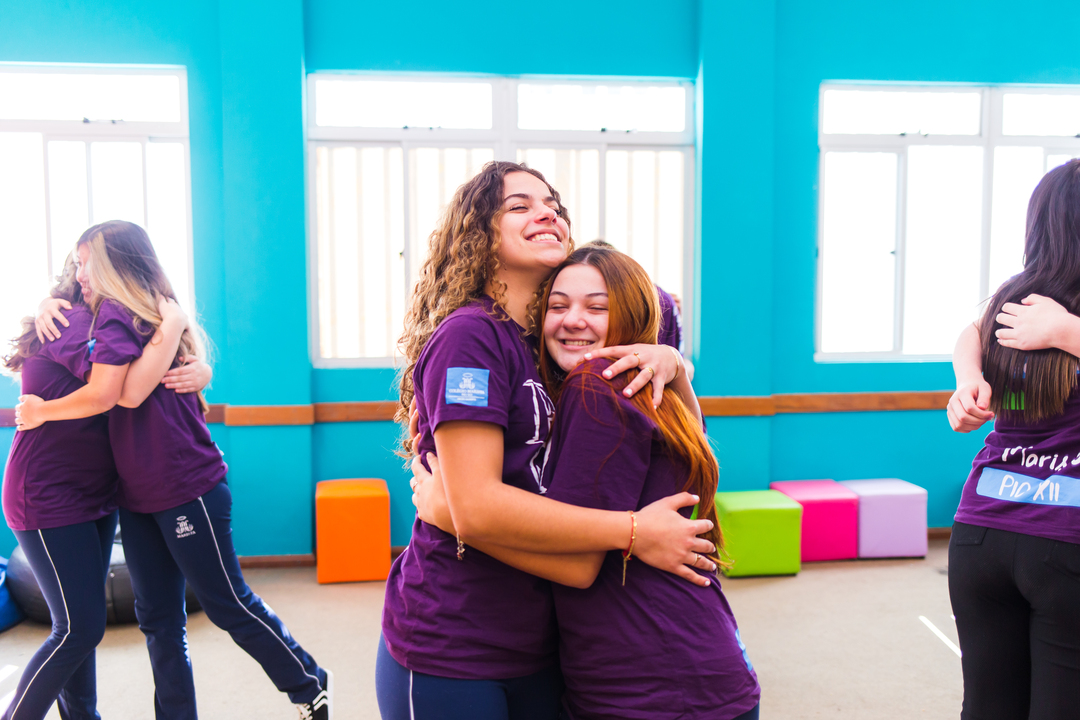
x=70 y=564
x=194 y=542
x=407 y=695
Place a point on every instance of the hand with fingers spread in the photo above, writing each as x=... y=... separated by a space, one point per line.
x=668 y=541
x=48 y=316
x=659 y=364
x=1036 y=323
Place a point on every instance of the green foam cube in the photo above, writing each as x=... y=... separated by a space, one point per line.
x=762 y=532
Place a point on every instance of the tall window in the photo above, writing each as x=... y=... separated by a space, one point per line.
x=924 y=192
x=80 y=145
x=386 y=155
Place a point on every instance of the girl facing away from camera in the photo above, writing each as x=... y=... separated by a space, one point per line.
x=1014 y=555
x=59 y=492
x=175 y=504
x=627 y=631
x=465 y=635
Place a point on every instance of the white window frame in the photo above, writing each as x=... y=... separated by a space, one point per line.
x=110 y=131
x=990 y=136
x=505 y=138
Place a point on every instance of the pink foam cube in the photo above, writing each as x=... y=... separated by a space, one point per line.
x=830 y=527
x=892 y=518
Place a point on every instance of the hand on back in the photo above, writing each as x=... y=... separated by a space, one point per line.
x=659 y=364
x=48 y=316
x=28 y=413
x=1036 y=323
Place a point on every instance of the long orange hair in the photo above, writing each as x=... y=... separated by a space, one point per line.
x=634 y=317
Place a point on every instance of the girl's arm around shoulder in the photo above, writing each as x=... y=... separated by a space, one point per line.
x=116 y=344
x=661 y=365
x=147 y=372
x=100 y=394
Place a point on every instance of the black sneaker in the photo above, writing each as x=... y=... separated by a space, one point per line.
x=321 y=708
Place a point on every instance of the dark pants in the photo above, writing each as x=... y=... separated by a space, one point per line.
x=194 y=542
x=70 y=564
x=1017 y=604
x=407 y=695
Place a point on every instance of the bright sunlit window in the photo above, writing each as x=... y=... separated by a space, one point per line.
x=387 y=154
x=923 y=198
x=81 y=145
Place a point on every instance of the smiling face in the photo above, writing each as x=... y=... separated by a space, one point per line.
x=82 y=275
x=532 y=234
x=576 y=317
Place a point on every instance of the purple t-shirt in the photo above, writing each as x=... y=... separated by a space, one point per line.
x=1027 y=478
x=659 y=647
x=475 y=618
x=162 y=448
x=670 y=321
x=60 y=473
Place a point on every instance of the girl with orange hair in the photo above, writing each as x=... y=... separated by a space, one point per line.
x=621 y=623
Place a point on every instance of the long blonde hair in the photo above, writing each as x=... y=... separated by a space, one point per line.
x=463 y=255
x=124 y=268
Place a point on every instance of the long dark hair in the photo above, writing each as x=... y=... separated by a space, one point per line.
x=634 y=317
x=1030 y=385
x=26 y=345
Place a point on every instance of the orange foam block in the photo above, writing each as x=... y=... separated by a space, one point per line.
x=352 y=530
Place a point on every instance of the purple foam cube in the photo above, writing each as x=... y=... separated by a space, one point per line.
x=892 y=518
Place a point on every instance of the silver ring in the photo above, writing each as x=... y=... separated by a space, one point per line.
x=413 y=484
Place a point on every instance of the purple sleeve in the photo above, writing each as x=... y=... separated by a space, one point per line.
x=603 y=446
x=464 y=375
x=670 y=321
x=116 y=341
x=72 y=350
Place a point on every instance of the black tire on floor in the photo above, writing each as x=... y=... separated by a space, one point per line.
x=24 y=588
x=119 y=595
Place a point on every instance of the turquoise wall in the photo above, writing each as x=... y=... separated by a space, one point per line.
x=757 y=67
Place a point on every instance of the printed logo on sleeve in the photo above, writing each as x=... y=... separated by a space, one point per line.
x=1015 y=487
x=467 y=386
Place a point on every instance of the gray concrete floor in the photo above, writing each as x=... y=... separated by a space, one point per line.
x=840 y=640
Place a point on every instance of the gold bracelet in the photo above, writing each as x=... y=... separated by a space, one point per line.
x=678 y=363
x=628 y=552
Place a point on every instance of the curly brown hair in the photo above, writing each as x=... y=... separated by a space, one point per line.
x=463 y=255
x=27 y=344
